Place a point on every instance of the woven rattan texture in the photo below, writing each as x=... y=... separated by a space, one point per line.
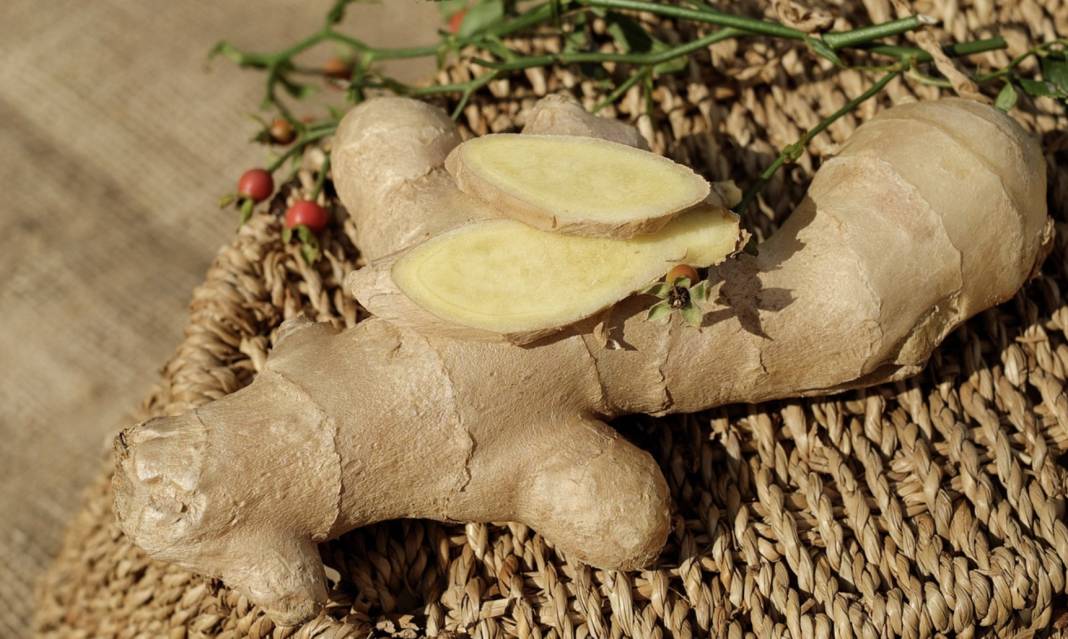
x=933 y=506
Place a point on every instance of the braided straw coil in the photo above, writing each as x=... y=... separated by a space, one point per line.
x=930 y=507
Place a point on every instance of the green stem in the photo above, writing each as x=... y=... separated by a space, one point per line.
x=1020 y=59
x=279 y=64
x=619 y=91
x=299 y=146
x=247 y=205
x=923 y=78
x=792 y=152
x=474 y=85
x=300 y=47
x=321 y=179
x=382 y=53
x=534 y=16
x=864 y=35
x=742 y=23
x=954 y=50
x=835 y=40
x=577 y=57
x=273 y=77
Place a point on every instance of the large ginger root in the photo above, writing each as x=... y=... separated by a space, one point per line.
x=931 y=214
x=501 y=279
x=577 y=185
x=406 y=195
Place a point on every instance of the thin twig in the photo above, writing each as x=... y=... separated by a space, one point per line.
x=792 y=152
x=320 y=180
x=493 y=55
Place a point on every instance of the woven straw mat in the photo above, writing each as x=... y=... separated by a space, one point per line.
x=931 y=507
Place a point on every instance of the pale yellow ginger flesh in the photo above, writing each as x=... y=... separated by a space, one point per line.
x=503 y=276
x=577 y=185
x=931 y=213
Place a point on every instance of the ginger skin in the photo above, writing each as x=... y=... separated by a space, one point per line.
x=900 y=239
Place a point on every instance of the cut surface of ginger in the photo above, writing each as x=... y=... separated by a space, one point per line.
x=577 y=185
x=506 y=277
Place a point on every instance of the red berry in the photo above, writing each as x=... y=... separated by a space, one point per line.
x=255 y=184
x=455 y=20
x=307 y=213
x=337 y=68
x=282 y=131
x=683 y=271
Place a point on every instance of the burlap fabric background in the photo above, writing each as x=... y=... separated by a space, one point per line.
x=935 y=506
x=113 y=143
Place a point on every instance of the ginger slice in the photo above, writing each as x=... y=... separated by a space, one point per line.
x=503 y=279
x=575 y=185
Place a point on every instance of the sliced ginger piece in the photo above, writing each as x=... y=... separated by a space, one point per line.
x=575 y=185
x=500 y=278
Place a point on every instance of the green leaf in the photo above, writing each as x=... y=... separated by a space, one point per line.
x=1007 y=97
x=227 y=200
x=684 y=282
x=449 y=7
x=631 y=37
x=258 y=120
x=309 y=244
x=1055 y=71
x=480 y=16
x=628 y=35
x=246 y=211
x=1037 y=89
x=647 y=94
x=660 y=311
x=337 y=12
x=263 y=136
x=577 y=39
x=335 y=113
x=823 y=50
x=310 y=252
x=699 y=293
x=226 y=50
x=297 y=90
x=497 y=48
x=692 y=315
x=287 y=235
x=555 y=7
x=659 y=289
x=674 y=65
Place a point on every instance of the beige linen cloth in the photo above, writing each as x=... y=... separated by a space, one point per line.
x=114 y=145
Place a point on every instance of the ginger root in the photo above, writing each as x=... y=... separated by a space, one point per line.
x=501 y=279
x=576 y=185
x=932 y=213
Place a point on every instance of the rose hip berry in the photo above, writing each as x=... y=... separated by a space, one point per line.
x=682 y=271
x=308 y=214
x=455 y=20
x=337 y=68
x=255 y=184
x=282 y=131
